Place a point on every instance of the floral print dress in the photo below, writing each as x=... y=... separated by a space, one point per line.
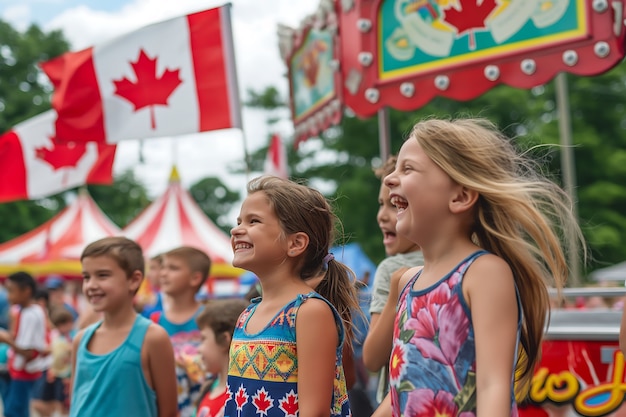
x=432 y=369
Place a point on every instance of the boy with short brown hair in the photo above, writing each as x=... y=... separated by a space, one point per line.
x=124 y=364
x=184 y=271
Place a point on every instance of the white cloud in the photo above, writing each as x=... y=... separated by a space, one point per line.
x=19 y=15
x=258 y=64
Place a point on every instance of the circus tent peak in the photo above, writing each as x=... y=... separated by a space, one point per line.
x=55 y=246
x=174 y=220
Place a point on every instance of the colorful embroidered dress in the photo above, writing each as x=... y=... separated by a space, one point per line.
x=263 y=369
x=432 y=369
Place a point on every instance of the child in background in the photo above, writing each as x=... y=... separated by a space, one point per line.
x=184 y=271
x=27 y=344
x=55 y=286
x=217 y=323
x=124 y=364
x=470 y=323
x=286 y=353
x=149 y=298
x=42 y=298
x=50 y=392
x=402 y=254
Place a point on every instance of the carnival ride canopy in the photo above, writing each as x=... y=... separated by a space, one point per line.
x=55 y=246
x=175 y=220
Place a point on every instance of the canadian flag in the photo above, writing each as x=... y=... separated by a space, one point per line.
x=35 y=166
x=276 y=161
x=166 y=79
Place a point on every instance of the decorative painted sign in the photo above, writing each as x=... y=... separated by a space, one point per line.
x=312 y=59
x=578 y=378
x=403 y=53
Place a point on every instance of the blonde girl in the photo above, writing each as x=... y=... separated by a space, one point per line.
x=469 y=324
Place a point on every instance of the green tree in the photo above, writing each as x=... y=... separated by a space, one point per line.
x=123 y=200
x=24 y=89
x=216 y=200
x=24 y=92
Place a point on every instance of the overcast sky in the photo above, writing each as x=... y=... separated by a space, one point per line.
x=90 y=22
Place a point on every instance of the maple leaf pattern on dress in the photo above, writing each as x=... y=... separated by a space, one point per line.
x=262 y=401
x=470 y=17
x=241 y=398
x=149 y=89
x=289 y=404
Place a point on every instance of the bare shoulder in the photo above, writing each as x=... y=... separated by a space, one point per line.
x=315 y=326
x=488 y=276
x=406 y=277
x=314 y=309
x=410 y=273
x=156 y=336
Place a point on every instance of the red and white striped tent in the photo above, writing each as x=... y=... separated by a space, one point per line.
x=175 y=220
x=55 y=246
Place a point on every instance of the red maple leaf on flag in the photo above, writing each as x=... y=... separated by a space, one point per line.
x=149 y=90
x=289 y=404
x=262 y=401
x=61 y=156
x=241 y=398
x=470 y=17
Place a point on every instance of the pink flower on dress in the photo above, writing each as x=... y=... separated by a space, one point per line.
x=440 y=330
x=424 y=402
x=438 y=296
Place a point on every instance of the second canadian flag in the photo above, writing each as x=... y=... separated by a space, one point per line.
x=166 y=79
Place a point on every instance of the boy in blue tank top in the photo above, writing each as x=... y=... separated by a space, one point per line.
x=124 y=364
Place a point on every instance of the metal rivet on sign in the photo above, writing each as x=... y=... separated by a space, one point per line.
x=492 y=72
x=528 y=66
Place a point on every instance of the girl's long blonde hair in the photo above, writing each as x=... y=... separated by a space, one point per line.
x=520 y=216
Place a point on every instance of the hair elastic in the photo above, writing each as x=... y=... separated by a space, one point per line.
x=329 y=257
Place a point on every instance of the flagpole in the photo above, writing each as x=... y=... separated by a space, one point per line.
x=229 y=52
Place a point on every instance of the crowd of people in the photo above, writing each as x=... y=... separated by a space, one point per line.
x=472 y=232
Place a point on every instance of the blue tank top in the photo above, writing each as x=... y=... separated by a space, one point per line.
x=113 y=384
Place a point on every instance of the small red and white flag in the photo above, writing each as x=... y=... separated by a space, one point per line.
x=34 y=166
x=170 y=78
x=276 y=161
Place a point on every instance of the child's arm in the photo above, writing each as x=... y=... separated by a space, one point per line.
x=489 y=289
x=316 y=342
x=162 y=370
x=6 y=338
x=378 y=344
x=384 y=409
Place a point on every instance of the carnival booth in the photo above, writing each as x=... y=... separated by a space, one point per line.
x=175 y=220
x=55 y=246
x=581 y=372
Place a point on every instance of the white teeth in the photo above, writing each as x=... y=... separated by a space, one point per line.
x=399 y=202
x=243 y=246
